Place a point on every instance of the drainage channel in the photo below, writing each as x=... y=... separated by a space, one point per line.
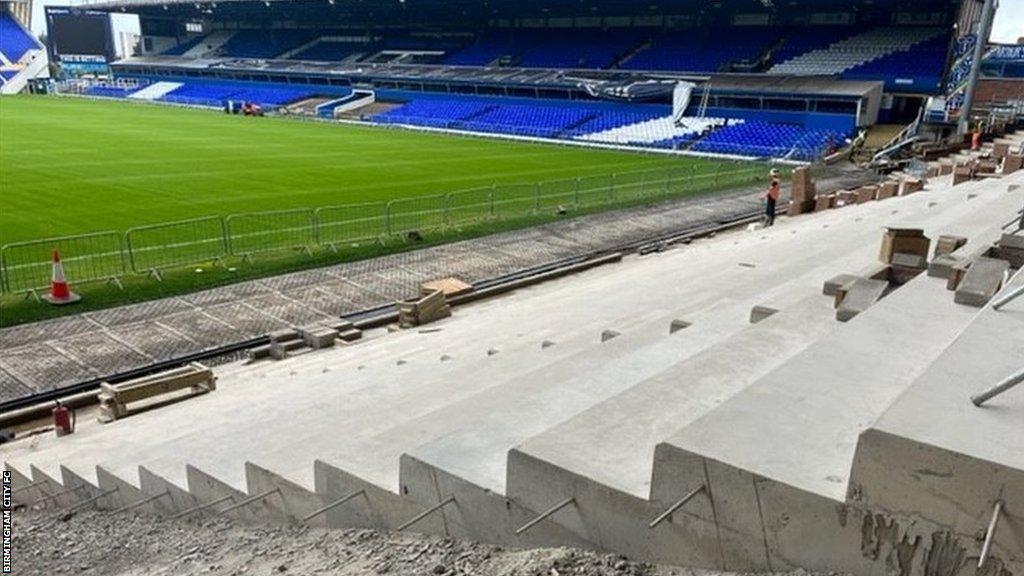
x=82 y=393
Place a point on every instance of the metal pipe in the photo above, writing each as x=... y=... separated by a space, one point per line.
x=33 y=485
x=988 y=11
x=543 y=515
x=142 y=502
x=1009 y=382
x=332 y=505
x=990 y=535
x=195 y=509
x=671 y=509
x=1010 y=297
x=249 y=500
x=88 y=501
x=57 y=494
x=426 y=513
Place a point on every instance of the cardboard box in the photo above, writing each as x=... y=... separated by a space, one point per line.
x=1012 y=163
x=912 y=185
x=945 y=168
x=798 y=208
x=1000 y=150
x=904 y=241
x=846 y=197
x=866 y=194
x=888 y=190
x=803 y=186
x=824 y=202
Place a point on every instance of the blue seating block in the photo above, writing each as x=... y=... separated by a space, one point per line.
x=14 y=42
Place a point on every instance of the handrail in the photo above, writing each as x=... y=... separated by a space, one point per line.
x=1006 y=384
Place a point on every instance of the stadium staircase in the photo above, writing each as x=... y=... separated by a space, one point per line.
x=665 y=422
x=22 y=57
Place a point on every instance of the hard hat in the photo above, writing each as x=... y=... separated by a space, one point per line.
x=774 y=172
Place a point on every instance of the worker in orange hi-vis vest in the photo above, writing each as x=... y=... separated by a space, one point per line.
x=772 y=197
x=976 y=139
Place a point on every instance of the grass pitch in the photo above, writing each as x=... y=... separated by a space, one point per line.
x=73 y=165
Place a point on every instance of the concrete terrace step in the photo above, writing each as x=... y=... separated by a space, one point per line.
x=214 y=434
x=776 y=457
x=936 y=453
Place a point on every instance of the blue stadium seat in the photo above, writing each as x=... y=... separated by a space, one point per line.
x=265 y=44
x=184 y=46
x=14 y=42
x=920 y=67
x=700 y=51
x=764 y=139
x=203 y=93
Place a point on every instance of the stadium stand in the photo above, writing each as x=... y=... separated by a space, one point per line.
x=616 y=124
x=694 y=52
x=918 y=67
x=758 y=138
x=184 y=47
x=217 y=94
x=15 y=42
x=659 y=132
x=433 y=113
x=855 y=50
x=264 y=43
x=330 y=50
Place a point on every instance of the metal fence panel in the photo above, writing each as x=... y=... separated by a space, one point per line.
x=471 y=206
x=160 y=246
x=595 y=190
x=419 y=214
x=558 y=194
x=351 y=224
x=279 y=230
x=515 y=200
x=86 y=258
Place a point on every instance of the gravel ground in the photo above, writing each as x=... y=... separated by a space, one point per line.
x=94 y=543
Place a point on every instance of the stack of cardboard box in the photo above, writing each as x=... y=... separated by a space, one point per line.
x=1012 y=163
x=867 y=194
x=912 y=185
x=888 y=189
x=430 y=308
x=963 y=173
x=803 y=198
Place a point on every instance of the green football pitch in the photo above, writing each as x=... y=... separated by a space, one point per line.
x=73 y=165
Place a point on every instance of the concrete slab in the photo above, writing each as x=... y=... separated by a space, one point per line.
x=860 y=295
x=981 y=282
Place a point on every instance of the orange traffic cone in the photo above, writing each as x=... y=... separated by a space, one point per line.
x=60 y=294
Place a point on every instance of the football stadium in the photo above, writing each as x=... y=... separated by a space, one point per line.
x=504 y=288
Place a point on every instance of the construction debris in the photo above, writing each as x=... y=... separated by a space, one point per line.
x=451 y=287
x=114 y=398
x=430 y=308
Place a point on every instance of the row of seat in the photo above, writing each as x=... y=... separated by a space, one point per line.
x=857 y=50
x=827 y=50
x=15 y=41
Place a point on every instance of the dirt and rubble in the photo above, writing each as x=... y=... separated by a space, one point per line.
x=96 y=543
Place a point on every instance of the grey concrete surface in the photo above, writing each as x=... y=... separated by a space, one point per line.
x=766 y=416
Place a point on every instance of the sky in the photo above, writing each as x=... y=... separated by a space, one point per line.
x=1009 y=23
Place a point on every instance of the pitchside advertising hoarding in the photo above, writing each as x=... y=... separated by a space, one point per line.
x=80 y=40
